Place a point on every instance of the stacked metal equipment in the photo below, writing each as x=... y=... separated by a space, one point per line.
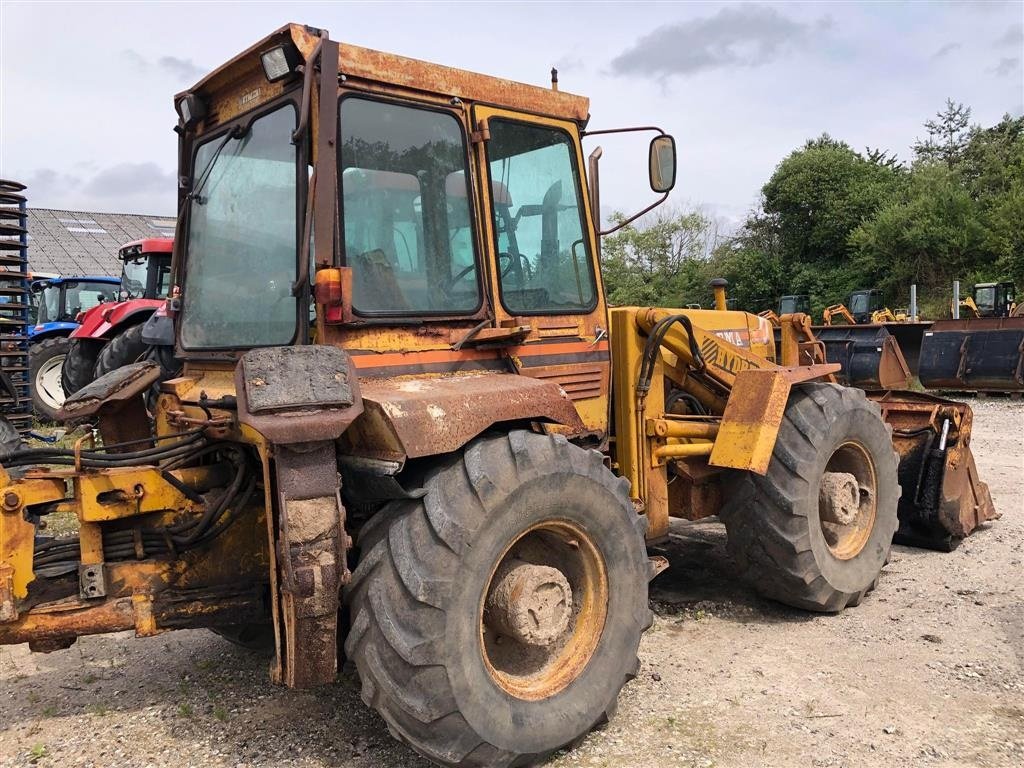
x=15 y=400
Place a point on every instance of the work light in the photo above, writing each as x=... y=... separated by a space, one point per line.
x=191 y=109
x=279 y=62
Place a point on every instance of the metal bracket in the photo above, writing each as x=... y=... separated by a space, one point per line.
x=92 y=581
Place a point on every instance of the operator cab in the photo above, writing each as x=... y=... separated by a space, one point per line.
x=61 y=300
x=146 y=268
x=792 y=304
x=863 y=303
x=995 y=299
x=430 y=221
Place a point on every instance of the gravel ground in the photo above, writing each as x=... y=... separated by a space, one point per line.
x=929 y=671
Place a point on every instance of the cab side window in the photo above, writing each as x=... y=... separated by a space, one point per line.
x=543 y=256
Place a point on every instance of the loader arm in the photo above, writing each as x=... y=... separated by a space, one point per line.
x=742 y=396
x=837 y=311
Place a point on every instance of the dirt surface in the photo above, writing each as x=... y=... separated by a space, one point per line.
x=928 y=671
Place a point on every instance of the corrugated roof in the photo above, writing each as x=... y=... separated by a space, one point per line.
x=72 y=243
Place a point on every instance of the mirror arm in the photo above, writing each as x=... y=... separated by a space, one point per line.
x=635 y=216
x=594 y=198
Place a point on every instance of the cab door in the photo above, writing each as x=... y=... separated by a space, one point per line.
x=540 y=246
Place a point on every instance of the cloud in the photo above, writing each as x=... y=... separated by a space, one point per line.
x=735 y=36
x=945 y=50
x=125 y=178
x=46 y=181
x=1013 y=36
x=1007 y=65
x=182 y=70
x=570 y=63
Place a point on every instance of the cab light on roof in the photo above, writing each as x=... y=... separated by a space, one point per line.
x=279 y=62
x=191 y=109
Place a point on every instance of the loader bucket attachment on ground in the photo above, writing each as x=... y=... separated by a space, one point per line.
x=943 y=499
x=869 y=355
x=982 y=355
x=909 y=336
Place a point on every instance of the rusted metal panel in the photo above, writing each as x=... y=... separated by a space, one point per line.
x=310 y=545
x=380 y=67
x=56 y=625
x=430 y=416
x=116 y=397
x=297 y=394
x=696 y=491
x=943 y=498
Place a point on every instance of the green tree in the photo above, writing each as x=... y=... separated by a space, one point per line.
x=657 y=260
x=930 y=236
x=948 y=135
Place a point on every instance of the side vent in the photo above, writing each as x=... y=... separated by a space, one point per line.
x=579 y=383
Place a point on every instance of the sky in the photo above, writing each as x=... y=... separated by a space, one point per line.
x=86 y=111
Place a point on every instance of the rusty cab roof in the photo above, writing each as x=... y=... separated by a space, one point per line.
x=370 y=67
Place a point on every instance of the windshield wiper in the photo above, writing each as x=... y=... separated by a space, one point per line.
x=235 y=133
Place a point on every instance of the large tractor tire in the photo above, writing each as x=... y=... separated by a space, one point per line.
x=79 y=364
x=127 y=347
x=816 y=530
x=496 y=619
x=46 y=359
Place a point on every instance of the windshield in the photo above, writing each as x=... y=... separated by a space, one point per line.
x=538 y=220
x=242 y=244
x=985 y=298
x=48 y=301
x=133 y=277
x=82 y=295
x=405 y=206
x=859 y=303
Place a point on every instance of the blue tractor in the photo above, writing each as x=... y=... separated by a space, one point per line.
x=56 y=303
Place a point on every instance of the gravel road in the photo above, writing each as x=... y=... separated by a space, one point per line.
x=928 y=671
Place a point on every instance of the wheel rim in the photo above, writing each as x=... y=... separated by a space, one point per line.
x=847 y=500
x=543 y=611
x=47 y=383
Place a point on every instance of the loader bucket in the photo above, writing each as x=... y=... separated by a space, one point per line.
x=869 y=354
x=909 y=337
x=982 y=355
x=943 y=498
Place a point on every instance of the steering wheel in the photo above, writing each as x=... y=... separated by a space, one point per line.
x=503 y=256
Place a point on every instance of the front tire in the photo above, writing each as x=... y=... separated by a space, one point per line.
x=496 y=619
x=46 y=359
x=816 y=530
x=125 y=348
x=77 y=371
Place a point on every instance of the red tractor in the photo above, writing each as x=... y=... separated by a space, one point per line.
x=110 y=334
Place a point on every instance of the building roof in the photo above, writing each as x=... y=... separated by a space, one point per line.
x=72 y=243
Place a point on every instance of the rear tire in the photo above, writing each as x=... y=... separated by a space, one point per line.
x=79 y=364
x=780 y=534
x=46 y=360
x=125 y=348
x=423 y=607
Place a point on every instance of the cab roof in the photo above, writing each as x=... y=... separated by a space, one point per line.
x=148 y=245
x=390 y=69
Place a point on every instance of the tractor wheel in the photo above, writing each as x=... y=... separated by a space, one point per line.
x=46 y=359
x=496 y=619
x=815 y=531
x=127 y=347
x=10 y=438
x=79 y=364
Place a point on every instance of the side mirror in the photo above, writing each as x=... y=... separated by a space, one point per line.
x=663 y=163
